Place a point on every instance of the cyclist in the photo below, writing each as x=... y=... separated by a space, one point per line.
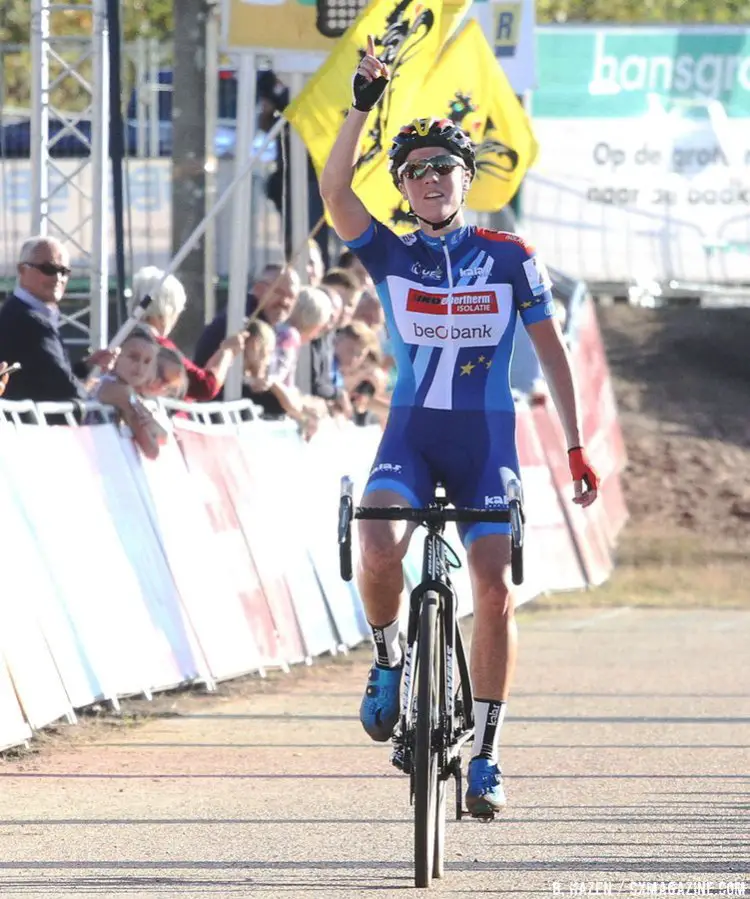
x=451 y=294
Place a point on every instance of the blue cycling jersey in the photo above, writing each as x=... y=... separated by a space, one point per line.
x=451 y=305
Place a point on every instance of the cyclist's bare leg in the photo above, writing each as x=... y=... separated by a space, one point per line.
x=383 y=546
x=495 y=635
x=493 y=660
x=381 y=582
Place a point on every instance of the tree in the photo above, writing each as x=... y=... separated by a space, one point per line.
x=140 y=18
x=639 y=12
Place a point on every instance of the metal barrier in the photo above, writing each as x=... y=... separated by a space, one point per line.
x=218 y=413
x=16 y=412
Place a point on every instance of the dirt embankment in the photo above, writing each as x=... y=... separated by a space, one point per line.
x=682 y=381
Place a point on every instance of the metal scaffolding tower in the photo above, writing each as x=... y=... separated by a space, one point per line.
x=85 y=179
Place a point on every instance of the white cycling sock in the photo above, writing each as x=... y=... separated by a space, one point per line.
x=489 y=715
x=387 y=646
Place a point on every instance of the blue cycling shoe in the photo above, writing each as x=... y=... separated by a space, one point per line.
x=485 y=794
x=380 y=707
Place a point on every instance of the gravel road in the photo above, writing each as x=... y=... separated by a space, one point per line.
x=625 y=749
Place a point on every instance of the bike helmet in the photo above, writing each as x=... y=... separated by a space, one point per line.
x=430 y=133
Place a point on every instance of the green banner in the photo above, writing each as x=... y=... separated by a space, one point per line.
x=610 y=72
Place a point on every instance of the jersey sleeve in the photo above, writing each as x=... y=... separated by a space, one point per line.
x=532 y=287
x=375 y=249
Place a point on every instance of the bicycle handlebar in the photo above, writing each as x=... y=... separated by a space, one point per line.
x=346 y=508
x=432 y=515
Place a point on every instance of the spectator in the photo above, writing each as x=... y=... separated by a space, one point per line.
x=370 y=311
x=29 y=334
x=350 y=262
x=171 y=380
x=357 y=354
x=168 y=300
x=136 y=363
x=271 y=298
x=322 y=361
x=30 y=322
x=314 y=266
x=337 y=304
x=29 y=327
x=351 y=346
x=259 y=349
x=136 y=368
x=348 y=288
x=311 y=314
x=360 y=370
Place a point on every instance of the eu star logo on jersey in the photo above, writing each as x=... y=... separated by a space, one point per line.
x=482 y=361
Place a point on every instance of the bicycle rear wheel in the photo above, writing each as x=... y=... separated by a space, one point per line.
x=425 y=760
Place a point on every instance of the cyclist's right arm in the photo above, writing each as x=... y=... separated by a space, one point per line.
x=348 y=213
x=350 y=217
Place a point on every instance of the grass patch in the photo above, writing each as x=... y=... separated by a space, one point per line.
x=676 y=569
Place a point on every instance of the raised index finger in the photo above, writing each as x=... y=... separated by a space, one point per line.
x=370 y=45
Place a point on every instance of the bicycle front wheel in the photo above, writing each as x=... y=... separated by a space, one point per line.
x=425 y=759
x=441 y=704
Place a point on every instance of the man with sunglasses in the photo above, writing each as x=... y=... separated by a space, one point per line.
x=29 y=321
x=451 y=295
x=29 y=334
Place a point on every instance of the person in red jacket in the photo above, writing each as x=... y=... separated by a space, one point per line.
x=168 y=300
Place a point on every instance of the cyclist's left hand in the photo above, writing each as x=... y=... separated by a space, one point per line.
x=583 y=474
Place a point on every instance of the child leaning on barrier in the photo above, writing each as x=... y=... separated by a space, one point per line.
x=259 y=348
x=171 y=379
x=137 y=368
x=135 y=364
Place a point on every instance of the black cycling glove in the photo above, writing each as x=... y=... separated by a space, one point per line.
x=367 y=93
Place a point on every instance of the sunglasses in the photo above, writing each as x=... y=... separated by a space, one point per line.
x=441 y=165
x=49 y=268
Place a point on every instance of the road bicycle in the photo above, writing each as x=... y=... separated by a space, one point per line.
x=436 y=719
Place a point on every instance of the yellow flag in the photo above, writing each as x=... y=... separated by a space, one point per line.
x=506 y=147
x=467 y=86
x=453 y=15
x=407 y=36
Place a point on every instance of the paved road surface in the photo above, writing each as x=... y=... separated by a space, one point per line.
x=626 y=749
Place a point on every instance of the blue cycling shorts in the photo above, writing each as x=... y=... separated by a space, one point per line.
x=463 y=449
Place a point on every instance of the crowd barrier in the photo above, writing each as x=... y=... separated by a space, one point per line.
x=123 y=576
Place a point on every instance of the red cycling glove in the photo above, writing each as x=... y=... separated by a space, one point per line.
x=581 y=469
